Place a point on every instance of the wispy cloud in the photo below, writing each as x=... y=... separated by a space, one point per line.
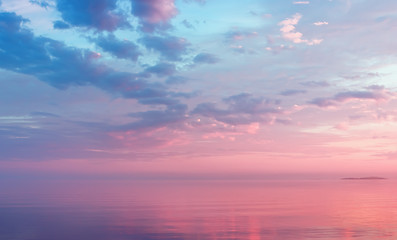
x=320 y=23
x=301 y=2
x=378 y=94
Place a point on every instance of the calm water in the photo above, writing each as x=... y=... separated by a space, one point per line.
x=96 y=210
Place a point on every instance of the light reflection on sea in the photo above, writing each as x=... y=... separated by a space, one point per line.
x=97 y=210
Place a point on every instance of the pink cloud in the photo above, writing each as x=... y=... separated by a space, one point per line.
x=289 y=33
x=301 y=2
x=154 y=13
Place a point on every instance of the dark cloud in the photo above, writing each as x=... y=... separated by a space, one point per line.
x=206 y=58
x=61 y=66
x=60 y=25
x=292 y=92
x=97 y=14
x=173 y=114
x=120 y=48
x=241 y=109
x=154 y=14
x=162 y=69
x=377 y=94
x=187 y=24
x=246 y=103
x=176 y=80
x=170 y=47
x=10 y=22
x=186 y=95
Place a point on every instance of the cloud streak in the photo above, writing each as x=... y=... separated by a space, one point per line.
x=374 y=94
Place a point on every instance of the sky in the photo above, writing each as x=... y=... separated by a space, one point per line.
x=179 y=88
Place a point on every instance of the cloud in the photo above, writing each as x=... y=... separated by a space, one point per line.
x=387 y=155
x=60 y=25
x=237 y=35
x=67 y=139
x=359 y=76
x=154 y=14
x=206 y=58
x=97 y=14
x=170 y=47
x=120 y=48
x=323 y=102
x=241 y=109
x=320 y=23
x=173 y=80
x=242 y=50
x=292 y=92
x=162 y=69
x=187 y=24
x=62 y=66
x=289 y=33
x=41 y=3
x=44 y=115
x=198 y=1
x=376 y=94
x=173 y=114
x=159 y=101
x=315 y=84
x=10 y=23
x=278 y=49
x=301 y=2
x=20 y=141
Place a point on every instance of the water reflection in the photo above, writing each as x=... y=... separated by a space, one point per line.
x=198 y=210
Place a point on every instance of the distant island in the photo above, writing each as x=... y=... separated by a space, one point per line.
x=363 y=178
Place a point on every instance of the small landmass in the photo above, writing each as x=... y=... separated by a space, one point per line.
x=363 y=178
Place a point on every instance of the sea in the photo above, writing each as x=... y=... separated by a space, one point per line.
x=198 y=209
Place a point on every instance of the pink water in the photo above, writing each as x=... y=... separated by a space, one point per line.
x=336 y=209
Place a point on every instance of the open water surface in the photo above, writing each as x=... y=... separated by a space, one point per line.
x=125 y=209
